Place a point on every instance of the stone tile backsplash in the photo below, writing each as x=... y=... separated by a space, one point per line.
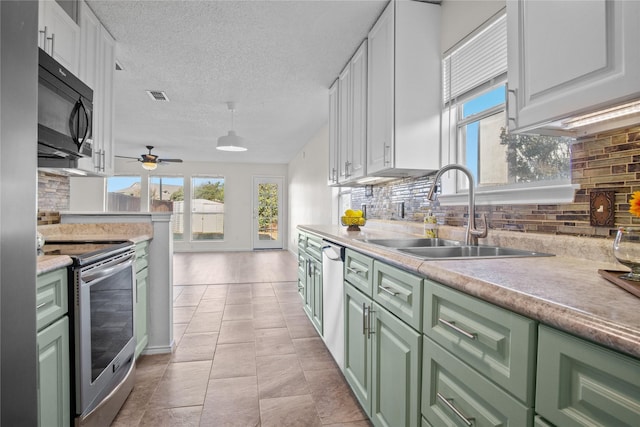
x=607 y=161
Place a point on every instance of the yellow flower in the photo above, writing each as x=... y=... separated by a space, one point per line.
x=634 y=203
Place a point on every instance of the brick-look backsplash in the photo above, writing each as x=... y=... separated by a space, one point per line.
x=609 y=160
x=53 y=194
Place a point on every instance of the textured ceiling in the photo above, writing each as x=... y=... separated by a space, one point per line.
x=275 y=59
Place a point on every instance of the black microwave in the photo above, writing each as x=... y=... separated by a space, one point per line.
x=65 y=115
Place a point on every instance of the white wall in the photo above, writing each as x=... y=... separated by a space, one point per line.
x=238 y=197
x=311 y=200
x=461 y=17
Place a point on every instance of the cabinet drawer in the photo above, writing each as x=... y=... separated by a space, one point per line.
x=314 y=247
x=358 y=270
x=302 y=241
x=496 y=342
x=399 y=292
x=302 y=265
x=51 y=297
x=141 y=256
x=453 y=392
x=580 y=383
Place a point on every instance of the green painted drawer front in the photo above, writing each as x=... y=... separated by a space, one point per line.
x=357 y=355
x=538 y=421
x=397 y=352
x=302 y=265
x=453 y=392
x=302 y=241
x=54 y=398
x=399 y=292
x=51 y=297
x=314 y=247
x=358 y=270
x=141 y=256
x=580 y=383
x=497 y=343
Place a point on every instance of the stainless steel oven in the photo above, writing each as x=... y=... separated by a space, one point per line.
x=103 y=298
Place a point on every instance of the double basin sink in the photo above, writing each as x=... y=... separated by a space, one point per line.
x=443 y=249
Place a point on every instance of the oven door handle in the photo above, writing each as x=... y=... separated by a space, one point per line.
x=107 y=270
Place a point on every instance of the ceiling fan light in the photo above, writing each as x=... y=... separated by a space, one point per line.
x=149 y=165
x=231 y=142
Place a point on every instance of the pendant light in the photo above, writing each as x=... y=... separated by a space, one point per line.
x=231 y=141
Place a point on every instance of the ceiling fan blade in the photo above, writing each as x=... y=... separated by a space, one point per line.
x=127 y=157
x=170 y=160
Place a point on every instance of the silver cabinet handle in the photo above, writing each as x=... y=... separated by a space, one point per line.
x=515 y=96
x=447 y=402
x=386 y=159
x=44 y=39
x=41 y=305
x=452 y=325
x=53 y=39
x=364 y=318
x=356 y=271
x=389 y=291
x=346 y=169
x=370 y=330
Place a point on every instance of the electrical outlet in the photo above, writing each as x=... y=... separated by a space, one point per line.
x=601 y=208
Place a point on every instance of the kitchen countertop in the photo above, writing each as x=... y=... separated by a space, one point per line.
x=564 y=291
x=135 y=232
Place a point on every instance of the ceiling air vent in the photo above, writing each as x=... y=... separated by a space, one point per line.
x=157 y=95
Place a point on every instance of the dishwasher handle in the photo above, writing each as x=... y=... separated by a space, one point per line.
x=331 y=251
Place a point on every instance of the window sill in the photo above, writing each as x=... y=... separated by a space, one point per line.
x=509 y=195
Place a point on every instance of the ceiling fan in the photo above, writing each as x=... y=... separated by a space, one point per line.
x=151 y=161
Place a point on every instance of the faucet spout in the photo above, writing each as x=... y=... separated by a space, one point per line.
x=471 y=233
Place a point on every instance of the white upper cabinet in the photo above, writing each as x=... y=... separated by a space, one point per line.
x=59 y=35
x=570 y=57
x=333 y=134
x=352 y=117
x=97 y=67
x=404 y=99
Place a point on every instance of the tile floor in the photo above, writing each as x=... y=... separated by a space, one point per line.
x=246 y=355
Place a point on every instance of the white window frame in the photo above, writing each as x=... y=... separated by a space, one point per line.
x=543 y=192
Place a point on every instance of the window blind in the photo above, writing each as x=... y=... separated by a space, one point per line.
x=476 y=61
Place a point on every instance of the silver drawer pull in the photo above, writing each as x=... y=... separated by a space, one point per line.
x=356 y=271
x=447 y=402
x=389 y=291
x=452 y=325
x=41 y=305
x=365 y=309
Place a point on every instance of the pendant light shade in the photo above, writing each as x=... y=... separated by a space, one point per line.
x=231 y=141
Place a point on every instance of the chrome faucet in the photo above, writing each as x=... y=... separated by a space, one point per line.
x=471 y=233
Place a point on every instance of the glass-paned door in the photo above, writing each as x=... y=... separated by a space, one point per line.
x=267 y=212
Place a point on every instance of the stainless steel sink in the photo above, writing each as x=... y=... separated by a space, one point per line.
x=469 y=252
x=412 y=242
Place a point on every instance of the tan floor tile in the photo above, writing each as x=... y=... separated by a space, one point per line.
x=300 y=327
x=243 y=289
x=232 y=402
x=292 y=309
x=363 y=423
x=292 y=411
x=211 y=305
x=178 y=331
x=234 y=360
x=291 y=297
x=187 y=299
x=313 y=354
x=280 y=375
x=188 y=416
x=215 y=291
x=264 y=300
x=266 y=309
x=284 y=286
x=200 y=346
x=262 y=290
x=177 y=290
x=183 y=384
x=235 y=331
x=183 y=314
x=239 y=299
x=334 y=400
x=269 y=321
x=237 y=312
x=205 y=322
x=271 y=342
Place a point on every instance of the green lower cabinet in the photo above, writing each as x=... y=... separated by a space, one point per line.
x=141 y=310
x=453 y=394
x=580 y=383
x=54 y=405
x=382 y=362
x=313 y=292
x=302 y=274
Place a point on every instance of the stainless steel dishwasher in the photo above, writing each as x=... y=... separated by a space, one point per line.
x=333 y=300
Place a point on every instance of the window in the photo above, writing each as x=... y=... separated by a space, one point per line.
x=123 y=193
x=475 y=122
x=207 y=208
x=166 y=194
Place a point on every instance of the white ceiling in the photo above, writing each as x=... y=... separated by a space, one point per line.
x=275 y=59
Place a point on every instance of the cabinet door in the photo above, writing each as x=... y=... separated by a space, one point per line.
x=309 y=295
x=344 y=124
x=51 y=297
x=357 y=144
x=579 y=383
x=316 y=317
x=62 y=35
x=107 y=67
x=357 y=358
x=302 y=274
x=333 y=134
x=380 y=138
x=568 y=57
x=141 y=309
x=54 y=405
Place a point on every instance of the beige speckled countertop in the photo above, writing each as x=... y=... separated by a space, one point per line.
x=564 y=291
x=135 y=232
